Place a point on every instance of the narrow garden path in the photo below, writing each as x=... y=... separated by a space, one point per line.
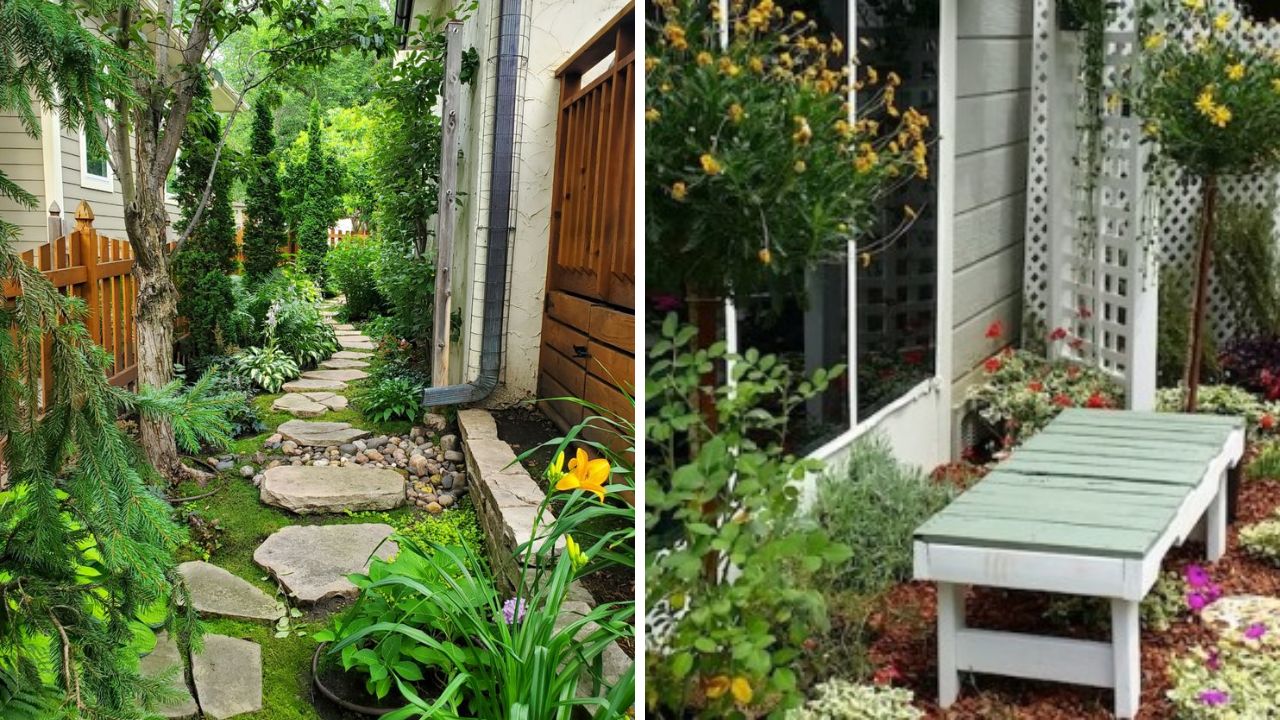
x=301 y=506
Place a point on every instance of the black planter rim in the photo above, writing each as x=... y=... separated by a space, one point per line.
x=333 y=697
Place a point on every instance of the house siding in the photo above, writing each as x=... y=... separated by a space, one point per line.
x=23 y=163
x=108 y=207
x=992 y=109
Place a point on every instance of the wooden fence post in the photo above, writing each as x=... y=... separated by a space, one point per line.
x=87 y=237
x=447 y=214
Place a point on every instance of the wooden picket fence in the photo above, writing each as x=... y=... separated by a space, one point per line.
x=337 y=236
x=289 y=248
x=98 y=270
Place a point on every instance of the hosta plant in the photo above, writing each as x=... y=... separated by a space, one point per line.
x=388 y=398
x=268 y=366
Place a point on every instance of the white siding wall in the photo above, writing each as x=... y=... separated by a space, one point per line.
x=108 y=207
x=22 y=161
x=992 y=125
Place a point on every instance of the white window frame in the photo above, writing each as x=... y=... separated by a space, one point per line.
x=939 y=383
x=105 y=183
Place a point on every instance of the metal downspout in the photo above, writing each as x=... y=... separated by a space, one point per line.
x=500 y=193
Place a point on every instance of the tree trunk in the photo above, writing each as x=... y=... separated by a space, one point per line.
x=1200 y=302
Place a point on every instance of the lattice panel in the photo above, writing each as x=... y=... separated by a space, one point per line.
x=1036 y=257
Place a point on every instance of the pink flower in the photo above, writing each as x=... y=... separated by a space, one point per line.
x=1255 y=631
x=1058 y=334
x=1214 y=662
x=1197 y=602
x=1196 y=576
x=1214 y=698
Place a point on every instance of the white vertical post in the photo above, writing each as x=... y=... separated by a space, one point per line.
x=1144 y=279
x=950 y=623
x=948 y=50
x=447 y=213
x=1216 y=522
x=1127 y=656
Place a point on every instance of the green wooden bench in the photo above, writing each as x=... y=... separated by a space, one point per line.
x=1089 y=506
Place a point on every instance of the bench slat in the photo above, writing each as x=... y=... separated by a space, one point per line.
x=1108 y=447
x=1140 y=430
x=1121 y=518
x=1082 y=467
x=1121 y=487
x=1033 y=496
x=1035 y=534
x=1164 y=418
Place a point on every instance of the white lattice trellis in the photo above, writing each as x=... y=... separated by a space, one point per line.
x=1101 y=285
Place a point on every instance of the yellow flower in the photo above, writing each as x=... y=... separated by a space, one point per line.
x=1221 y=116
x=717 y=686
x=893 y=79
x=837 y=46
x=728 y=67
x=1194 y=4
x=1151 y=129
x=800 y=167
x=873 y=77
x=757 y=20
x=1204 y=103
x=741 y=690
x=803 y=133
x=710 y=165
x=866 y=159
x=785 y=60
x=910 y=212
x=844 y=129
x=866 y=259
x=1275 y=84
x=651 y=63
x=1222 y=20
x=704 y=58
x=576 y=556
x=651 y=115
x=585 y=474
x=797 y=16
x=1154 y=40
x=765 y=256
x=555 y=470
x=679 y=190
x=736 y=113
x=1236 y=71
x=756 y=65
x=675 y=35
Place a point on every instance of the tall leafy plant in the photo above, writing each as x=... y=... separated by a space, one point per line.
x=1208 y=93
x=264 y=224
x=86 y=541
x=202 y=268
x=729 y=558
x=316 y=195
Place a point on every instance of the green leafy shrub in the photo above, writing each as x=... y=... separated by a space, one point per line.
x=838 y=699
x=351 y=269
x=732 y=500
x=1245 y=243
x=264 y=230
x=1174 y=330
x=406 y=280
x=1224 y=400
x=313 y=196
x=384 y=399
x=286 y=311
x=459 y=526
x=1020 y=393
x=1166 y=603
x=1234 y=679
x=1266 y=463
x=1262 y=539
x=873 y=506
x=268 y=366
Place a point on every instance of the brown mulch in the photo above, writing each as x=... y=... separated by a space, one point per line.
x=904 y=648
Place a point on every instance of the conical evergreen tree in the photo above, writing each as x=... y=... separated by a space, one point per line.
x=264 y=227
x=320 y=191
x=203 y=266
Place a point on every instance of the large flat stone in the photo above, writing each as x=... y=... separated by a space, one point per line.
x=352 y=355
x=164 y=659
x=349 y=332
x=215 y=591
x=344 y=327
x=304 y=385
x=322 y=434
x=228 y=677
x=312 y=404
x=312 y=561
x=308 y=490
x=339 y=375
x=343 y=364
x=355 y=342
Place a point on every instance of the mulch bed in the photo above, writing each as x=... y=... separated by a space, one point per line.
x=904 y=645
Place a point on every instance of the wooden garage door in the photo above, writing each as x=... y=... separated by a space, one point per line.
x=588 y=330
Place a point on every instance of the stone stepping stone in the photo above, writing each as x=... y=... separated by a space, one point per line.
x=355 y=342
x=320 y=434
x=309 y=385
x=344 y=327
x=215 y=591
x=312 y=562
x=309 y=490
x=228 y=677
x=343 y=364
x=349 y=332
x=312 y=404
x=161 y=660
x=352 y=355
x=338 y=375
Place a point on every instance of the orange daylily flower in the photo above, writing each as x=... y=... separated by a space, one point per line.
x=585 y=474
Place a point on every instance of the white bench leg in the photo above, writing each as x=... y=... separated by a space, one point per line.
x=950 y=622
x=1216 y=523
x=1125 y=634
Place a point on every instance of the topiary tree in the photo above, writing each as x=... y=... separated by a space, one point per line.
x=202 y=268
x=264 y=224
x=1209 y=93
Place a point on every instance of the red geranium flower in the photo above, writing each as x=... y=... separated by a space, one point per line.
x=1063 y=400
x=1057 y=334
x=886 y=675
x=1097 y=400
x=992 y=364
x=1267 y=422
x=913 y=357
x=995 y=330
x=1084 y=312
x=1035 y=386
